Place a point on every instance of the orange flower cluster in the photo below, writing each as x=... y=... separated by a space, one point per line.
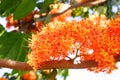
x=52 y=43
x=11 y=22
x=29 y=76
x=3 y=79
x=99 y=38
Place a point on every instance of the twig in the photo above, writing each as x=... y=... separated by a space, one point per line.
x=84 y=4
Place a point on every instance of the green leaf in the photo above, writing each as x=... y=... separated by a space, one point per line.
x=1 y=28
x=80 y=11
x=13 y=46
x=26 y=7
x=63 y=72
x=45 y=6
x=52 y=75
x=18 y=71
x=6 y=5
x=23 y=49
x=11 y=9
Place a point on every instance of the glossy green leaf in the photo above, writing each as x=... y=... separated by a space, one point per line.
x=6 y=5
x=11 y=9
x=26 y=7
x=1 y=29
x=13 y=46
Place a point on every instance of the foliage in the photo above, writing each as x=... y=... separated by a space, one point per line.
x=7 y=76
x=9 y=45
x=27 y=6
x=5 y=8
x=63 y=73
x=53 y=38
x=81 y=11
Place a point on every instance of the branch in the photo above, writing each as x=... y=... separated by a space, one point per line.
x=7 y=63
x=62 y=64
x=89 y=3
